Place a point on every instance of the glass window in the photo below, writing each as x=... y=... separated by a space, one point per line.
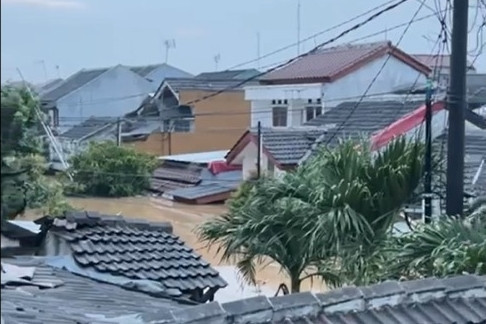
x=279 y=115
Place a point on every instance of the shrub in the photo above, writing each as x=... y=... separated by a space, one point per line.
x=108 y=170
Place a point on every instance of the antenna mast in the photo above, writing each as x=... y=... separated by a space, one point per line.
x=168 y=43
x=298 y=27
x=217 y=58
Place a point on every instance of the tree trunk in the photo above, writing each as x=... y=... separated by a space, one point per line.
x=294 y=284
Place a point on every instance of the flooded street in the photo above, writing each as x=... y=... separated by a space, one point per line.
x=184 y=219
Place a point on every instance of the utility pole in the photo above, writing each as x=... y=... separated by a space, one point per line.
x=259 y=150
x=118 y=132
x=457 y=104
x=428 y=155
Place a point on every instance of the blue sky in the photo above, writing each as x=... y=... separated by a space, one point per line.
x=76 y=34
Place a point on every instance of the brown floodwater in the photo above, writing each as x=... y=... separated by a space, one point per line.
x=184 y=219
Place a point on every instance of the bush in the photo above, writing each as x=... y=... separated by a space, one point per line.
x=108 y=170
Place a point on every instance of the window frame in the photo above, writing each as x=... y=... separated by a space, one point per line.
x=277 y=119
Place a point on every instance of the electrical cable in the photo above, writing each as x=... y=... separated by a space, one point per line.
x=334 y=133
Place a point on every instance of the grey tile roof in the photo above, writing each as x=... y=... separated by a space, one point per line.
x=90 y=126
x=228 y=75
x=169 y=70
x=135 y=249
x=72 y=83
x=46 y=86
x=288 y=145
x=454 y=300
x=180 y=84
x=476 y=87
x=475 y=153
x=58 y=296
x=368 y=118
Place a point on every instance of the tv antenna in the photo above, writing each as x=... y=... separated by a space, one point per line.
x=168 y=43
x=298 y=27
x=217 y=58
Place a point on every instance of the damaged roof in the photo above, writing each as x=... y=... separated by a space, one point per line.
x=453 y=300
x=135 y=249
x=35 y=293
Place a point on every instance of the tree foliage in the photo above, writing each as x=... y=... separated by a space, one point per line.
x=105 y=169
x=328 y=217
x=23 y=166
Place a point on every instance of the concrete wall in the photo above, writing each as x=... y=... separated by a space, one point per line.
x=114 y=93
x=219 y=122
x=349 y=88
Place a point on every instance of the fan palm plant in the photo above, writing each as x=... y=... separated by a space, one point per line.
x=447 y=247
x=339 y=202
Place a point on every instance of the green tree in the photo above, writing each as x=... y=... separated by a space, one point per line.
x=328 y=217
x=105 y=169
x=23 y=166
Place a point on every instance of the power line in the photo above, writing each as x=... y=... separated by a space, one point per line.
x=375 y=78
x=281 y=49
x=315 y=49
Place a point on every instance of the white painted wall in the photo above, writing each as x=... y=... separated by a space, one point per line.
x=114 y=93
x=349 y=88
x=248 y=159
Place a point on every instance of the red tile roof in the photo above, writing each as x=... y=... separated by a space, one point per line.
x=333 y=63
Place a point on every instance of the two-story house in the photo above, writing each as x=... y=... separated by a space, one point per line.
x=377 y=119
x=197 y=115
x=104 y=92
x=305 y=89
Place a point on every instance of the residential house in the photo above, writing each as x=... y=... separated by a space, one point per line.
x=104 y=92
x=131 y=253
x=194 y=118
x=305 y=89
x=44 y=87
x=440 y=64
x=378 y=119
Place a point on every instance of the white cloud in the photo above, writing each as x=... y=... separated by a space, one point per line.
x=57 y=4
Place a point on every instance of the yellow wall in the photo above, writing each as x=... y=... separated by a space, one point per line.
x=219 y=123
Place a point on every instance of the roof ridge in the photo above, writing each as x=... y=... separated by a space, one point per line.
x=72 y=219
x=347 y=300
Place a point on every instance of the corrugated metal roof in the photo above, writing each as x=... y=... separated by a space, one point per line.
x=202 y=157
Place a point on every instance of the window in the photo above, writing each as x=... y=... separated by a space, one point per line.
x=279 y=116
x=313 y=110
